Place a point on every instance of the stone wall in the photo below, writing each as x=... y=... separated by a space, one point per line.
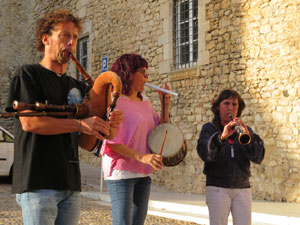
x=252 y=46
x=15 y=32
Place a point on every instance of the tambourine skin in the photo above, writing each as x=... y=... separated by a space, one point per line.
x=174 y=150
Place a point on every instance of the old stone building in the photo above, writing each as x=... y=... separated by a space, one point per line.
x=199 y=47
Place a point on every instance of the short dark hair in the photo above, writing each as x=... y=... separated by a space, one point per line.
x=225 y=94
x=125 y=66
x=46 y=24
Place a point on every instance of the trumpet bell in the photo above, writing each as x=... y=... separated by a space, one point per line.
x=244 y=139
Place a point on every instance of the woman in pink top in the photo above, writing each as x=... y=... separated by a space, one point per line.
x=127 y=161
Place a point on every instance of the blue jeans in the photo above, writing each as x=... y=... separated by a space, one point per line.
x=129 y=200
x=49 y=207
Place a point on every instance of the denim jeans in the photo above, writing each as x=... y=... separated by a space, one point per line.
x=129 y=200
x=49 y=207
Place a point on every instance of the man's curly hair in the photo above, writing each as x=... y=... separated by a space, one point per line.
x=46 y=24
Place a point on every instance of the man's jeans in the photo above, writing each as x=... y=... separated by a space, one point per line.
x=49 y=207
x=129 y=200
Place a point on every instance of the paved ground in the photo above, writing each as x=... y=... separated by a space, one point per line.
x=92 y=213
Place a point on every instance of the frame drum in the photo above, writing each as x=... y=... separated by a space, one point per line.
x=174 y=149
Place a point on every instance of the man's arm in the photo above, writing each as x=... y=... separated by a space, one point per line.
x=88 y=142
x=91 y=128
x=45 y=125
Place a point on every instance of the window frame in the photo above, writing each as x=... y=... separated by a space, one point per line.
x=82 y=55
x=185 y=33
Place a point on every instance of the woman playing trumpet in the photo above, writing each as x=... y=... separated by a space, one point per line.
x=127 y=161
x=227 y=161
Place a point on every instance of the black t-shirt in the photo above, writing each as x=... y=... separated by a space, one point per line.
x=44 y=161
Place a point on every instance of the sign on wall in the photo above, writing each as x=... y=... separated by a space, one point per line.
x=104 y=64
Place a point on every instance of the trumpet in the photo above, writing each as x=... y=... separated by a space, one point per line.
x=244 y=138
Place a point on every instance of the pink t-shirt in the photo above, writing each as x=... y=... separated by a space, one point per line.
x=139 y=119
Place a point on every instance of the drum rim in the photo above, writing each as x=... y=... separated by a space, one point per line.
x=171 y=125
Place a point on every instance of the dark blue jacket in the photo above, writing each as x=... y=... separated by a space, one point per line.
x=228 y=165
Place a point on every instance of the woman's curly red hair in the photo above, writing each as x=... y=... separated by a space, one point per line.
x=125 y=66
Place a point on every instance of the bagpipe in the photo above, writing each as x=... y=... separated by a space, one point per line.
x=103 y=93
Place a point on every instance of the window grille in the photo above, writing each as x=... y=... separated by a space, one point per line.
x=82 y=55
x=186 y=33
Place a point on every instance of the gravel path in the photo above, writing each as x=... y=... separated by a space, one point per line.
x=92 y=212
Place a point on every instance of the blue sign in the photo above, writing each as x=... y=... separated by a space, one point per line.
x=104 y=64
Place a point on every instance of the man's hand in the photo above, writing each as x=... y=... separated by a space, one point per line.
x=94 y=126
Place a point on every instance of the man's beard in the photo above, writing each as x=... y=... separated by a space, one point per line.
x=61 y=58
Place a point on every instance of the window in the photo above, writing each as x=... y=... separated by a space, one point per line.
x=82 y=55
x=186 y=33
